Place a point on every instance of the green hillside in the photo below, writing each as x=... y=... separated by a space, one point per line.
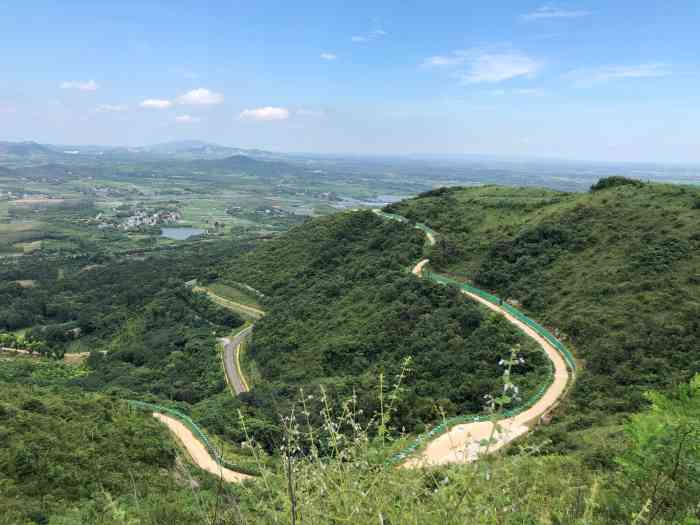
x=71 y=458
x=343 y=310
x=615 y=271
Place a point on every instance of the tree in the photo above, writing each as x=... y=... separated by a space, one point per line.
x=615 y=180
x=661 y=467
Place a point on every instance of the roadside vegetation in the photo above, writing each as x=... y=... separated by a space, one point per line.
x=342 y=309
x=616 y=271
x=65 y=460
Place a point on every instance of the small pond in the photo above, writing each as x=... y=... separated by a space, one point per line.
x=180 y=234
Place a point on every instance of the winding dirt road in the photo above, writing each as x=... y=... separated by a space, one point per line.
x=198 y=452
x=243 y=309
x=466 y=442
x=463 y=443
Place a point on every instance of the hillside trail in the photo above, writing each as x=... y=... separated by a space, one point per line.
x=199 y=454
x=466 y=442
x=247 y=311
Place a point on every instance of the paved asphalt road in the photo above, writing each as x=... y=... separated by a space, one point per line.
x=230 y=346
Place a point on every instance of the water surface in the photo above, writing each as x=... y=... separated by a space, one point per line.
x=180 y=234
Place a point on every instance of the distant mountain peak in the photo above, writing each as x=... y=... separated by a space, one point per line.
x=25 y=149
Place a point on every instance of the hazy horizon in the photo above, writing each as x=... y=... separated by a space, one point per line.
x=582 y=81
x=424 y=157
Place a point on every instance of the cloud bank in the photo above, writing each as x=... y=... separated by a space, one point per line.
x=267 y=113
x=80 y=85
x=156 y=103
x=186 y=119
x=485 y=65
x=549 y=11
x=200 y=97
x=111 y=108
x=368 y=37
x=598 y=75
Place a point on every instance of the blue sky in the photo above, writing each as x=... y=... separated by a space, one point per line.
x=583 y=80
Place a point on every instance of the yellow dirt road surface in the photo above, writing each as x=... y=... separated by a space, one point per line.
x=197 y=451
x=466 y=442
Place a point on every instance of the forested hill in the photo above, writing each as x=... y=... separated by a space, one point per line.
x=616 y=270
x=343 y=308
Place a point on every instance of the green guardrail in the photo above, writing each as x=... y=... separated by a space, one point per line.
x=445 y=426
x=214 y=452
x=538 y=328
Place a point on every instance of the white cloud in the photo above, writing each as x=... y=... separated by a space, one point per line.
x=368 y=37
x=329 y=56
x=533 y=92
x=201 y=97
x=486 y=65
x=156 y=103
x=549 y=11
x=310 y=112
x=597 y=75
x=268 y=113
x=186 y=119
x=111 y=108
x=444 y=61
x=87 y=85
x=530 y=92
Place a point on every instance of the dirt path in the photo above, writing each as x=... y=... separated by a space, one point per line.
x=15 y=350
x=418 y=268
x=464 y=443
x=248 y=311
x=197 y=452
x=74 y=358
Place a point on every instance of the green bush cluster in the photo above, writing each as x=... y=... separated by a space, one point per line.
x=615 y=181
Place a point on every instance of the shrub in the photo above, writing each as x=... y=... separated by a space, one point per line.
x=614 y=181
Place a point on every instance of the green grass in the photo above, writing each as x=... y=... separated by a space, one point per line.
x=20 y=332
x=249 y=367
x=233 y=293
